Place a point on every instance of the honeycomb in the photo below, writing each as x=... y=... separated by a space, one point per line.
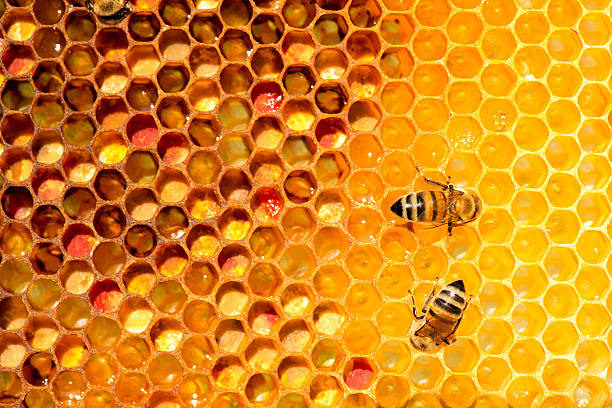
x=195 y=202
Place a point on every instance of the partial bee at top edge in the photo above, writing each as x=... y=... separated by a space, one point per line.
x=450 y=207
x=441 y=317
x=109 y=11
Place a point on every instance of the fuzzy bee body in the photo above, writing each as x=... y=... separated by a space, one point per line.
x=449 y=206
x=441 y=319
x=109 y=11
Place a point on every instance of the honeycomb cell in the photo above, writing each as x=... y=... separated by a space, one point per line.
x=592 y=320
x=564 y=45
x=493 y=373
x=591 y=390
x=69 y=387
x=203 y=167
x=529 y=281
x=495 y=336
x=297 y=261
x=593 y=100
x=523 y=391
x=530 y=61
x=594 y=62
x=559 y=374
x=496 y=226
x=294 y=372
x=330 y=281
x=592 y=356
x=325 y=391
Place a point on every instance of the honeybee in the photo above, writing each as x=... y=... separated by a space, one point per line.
x=447 y=207
x=441 y=319
x=109 y=11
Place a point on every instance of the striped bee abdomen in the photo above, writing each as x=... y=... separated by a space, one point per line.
x=423 y=206
x=450 y=302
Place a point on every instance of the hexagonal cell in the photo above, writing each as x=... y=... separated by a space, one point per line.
x=594 y=172
x=496 y=226
x=364 y=116
x=267 y=28
x=235 y=224
x=298 y=46
x=235 y=114
x=141 y=94
x=426 y=372
x=363 y=46
x=205 y=27
x=78 y=166
x=204 y=61
x=142 y=60
x=18 y=59
x=330 y=29
x=559 y=374
x=173 y=112
x=80 y=25
x=593 y=246
x=493 y=373
x=77 y=277
x=235 y=45
x=592 y=320
x=132 y=388
x=331 y=98
x=264 y=279
x=364 y=81
x=49 y=42
x=298 y=13
x=330 y=281
x=329 y=318
x=592 y=356
x=49 y=13
x=48 y=76
x=39 y=368
x=331 y=206
x=80 y=60
x=495 y=336
x=297 y=261
x=166 y=334
x=236 y=79
x=172 y=186
x=17 y=94
x=294 y=372
x=174 y=45
x=560 y=337
x=18 y=25
x=78 y=130
x=143 y=26
x=47 y=111
x=331 y=63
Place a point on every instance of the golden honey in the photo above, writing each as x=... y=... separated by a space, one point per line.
x=195 y=202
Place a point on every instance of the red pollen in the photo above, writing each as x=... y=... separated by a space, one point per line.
x=145 y=137
x=80 y=245
x=360 y=376
x=270 y=200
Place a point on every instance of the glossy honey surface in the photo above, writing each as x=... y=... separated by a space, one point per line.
x=195 y=202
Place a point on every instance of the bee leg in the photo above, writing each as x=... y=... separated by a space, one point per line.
x=430 y=297
x=414 y=312
x=450 y=229
x=450 y=339
x=430 y=181
x=467 y=302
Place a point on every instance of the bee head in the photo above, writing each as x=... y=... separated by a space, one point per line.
x=468 y=206
x=423 y=343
